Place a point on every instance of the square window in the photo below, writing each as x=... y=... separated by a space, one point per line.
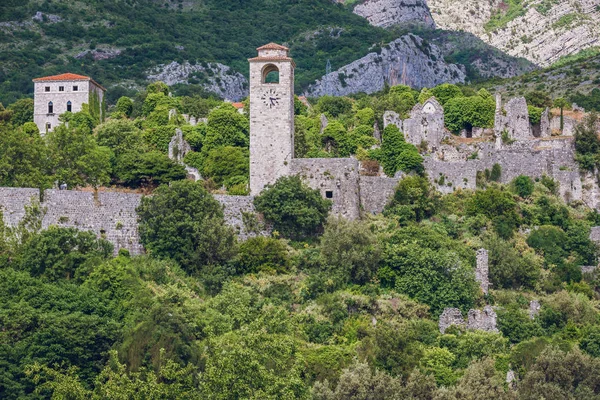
x=47 y=89
x=61 y=88
x=75 y=88
x=329 y=194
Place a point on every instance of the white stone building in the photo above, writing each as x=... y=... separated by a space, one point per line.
x=55 y=95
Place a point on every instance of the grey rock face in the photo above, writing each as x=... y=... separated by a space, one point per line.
x=450 y=316
x=218 y=78
x=407 y=60
x=540 y=35
x=43 y=17
x=482 y=320
x=100 y=54
x=386 y=13
x=482 y=270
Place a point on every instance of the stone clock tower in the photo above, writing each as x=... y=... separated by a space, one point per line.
x=271 y=115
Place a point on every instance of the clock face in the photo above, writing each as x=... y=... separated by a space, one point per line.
x=271 y=98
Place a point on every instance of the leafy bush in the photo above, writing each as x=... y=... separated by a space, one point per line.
x=294 y=209
x=183 y=222
x=523 y=186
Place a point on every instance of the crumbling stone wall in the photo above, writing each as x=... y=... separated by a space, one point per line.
x=513 y=118
x=483 y=320
x=13 y=202
x=376 y=192
x=111 y=215
x=234 y=208
x=426 y=124
x=451 y=316
x=482 y=270
x=335 y=177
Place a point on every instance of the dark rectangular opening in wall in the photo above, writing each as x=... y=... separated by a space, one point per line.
x=329 y=194
x=47 y=89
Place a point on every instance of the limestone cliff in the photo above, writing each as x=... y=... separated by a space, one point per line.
x=213 y=77
x=540 y=30
x=407 y=60
x=386 y=13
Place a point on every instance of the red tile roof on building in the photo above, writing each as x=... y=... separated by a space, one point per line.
x=238 y=105
x=272 y=46
x=67 y=77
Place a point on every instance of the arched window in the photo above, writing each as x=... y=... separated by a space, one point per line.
x=69 y=107
x=50 y=108
x=270 y=74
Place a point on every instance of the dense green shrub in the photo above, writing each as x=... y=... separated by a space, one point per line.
x=184 y=222
x=295 y=210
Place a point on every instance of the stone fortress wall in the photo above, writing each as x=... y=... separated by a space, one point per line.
x=110 y=215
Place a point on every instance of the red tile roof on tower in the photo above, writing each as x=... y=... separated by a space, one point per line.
x=67 y=77
x=272 y=46
x=238 y=105
x=64 y=77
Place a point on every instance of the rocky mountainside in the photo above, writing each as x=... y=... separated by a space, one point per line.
x=541 y=31
x=212 y=77
x=408 y=60
x=386 y=13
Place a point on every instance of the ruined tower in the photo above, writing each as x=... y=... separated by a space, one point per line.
x=271 y=115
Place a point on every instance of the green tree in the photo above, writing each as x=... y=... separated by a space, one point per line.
x=425 y=95
x=509 y=267
x=22 y=112
x=24 y=160
x=587 y=143
x=414 y=199
x=223 y=163
x=294 y=209
x=125 y=106
x=445 y=92
x=77 y=159
x=334 y=106
x=226 y=127
x=523 y=186
x=63 y=253
x=351 y=249
x=469 y=112
x=262 y=253
x=148 y=169
x=184 y=222
x=119 y=135
x=398 y=155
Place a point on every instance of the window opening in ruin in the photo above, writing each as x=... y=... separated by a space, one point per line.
x=50 y=108
x=69 y=107
x=48 y=125
x=61 y=88
x=75 y=88
x=47 y=88
x=270 y=74
x=329 y=194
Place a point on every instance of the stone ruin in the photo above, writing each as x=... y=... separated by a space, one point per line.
x=178 y=148
x=425 y=125
x=534 y=308
x=513 y=119
x=483 y=320
x=482 y=270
